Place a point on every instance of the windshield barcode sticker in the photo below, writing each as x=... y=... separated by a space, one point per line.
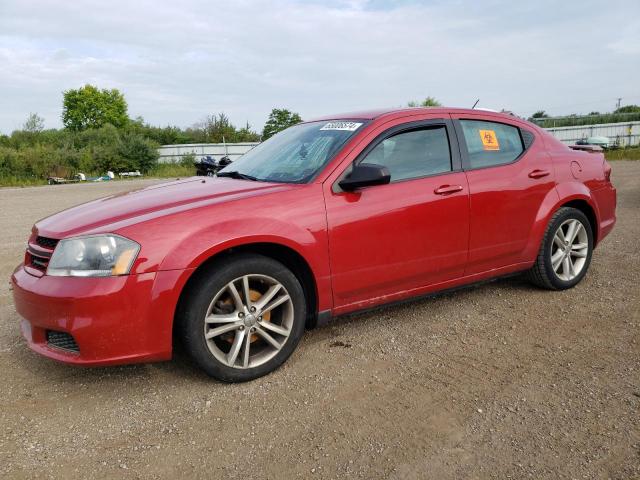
x=348 y=126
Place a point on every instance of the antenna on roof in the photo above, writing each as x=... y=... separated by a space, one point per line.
x=474 y=105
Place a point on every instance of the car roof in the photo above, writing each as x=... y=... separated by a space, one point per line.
x=400 y=112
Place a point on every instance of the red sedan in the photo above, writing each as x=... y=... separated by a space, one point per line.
x=327 y=217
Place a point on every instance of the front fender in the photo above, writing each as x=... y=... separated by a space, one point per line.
x=200 y=245
x=311 y=244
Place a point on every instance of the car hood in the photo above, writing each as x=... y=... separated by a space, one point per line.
x=124 y=209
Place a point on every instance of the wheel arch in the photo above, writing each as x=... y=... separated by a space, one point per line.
x=585 y=207
x=577 y=195
x=571 y=194
x=286 y=255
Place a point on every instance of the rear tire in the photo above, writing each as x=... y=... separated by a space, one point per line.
x=242 y=317
x=565 y=253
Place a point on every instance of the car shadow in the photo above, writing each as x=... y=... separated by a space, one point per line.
x=514 y=282
x=179 y=367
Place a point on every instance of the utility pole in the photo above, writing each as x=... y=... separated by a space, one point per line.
x=618 y=103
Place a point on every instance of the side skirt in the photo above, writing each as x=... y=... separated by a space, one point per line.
x=421 y=293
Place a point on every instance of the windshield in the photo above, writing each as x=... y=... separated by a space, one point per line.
x=294 y=155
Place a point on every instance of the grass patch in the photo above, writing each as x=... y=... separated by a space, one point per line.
x=631 y=153
x=161 y=170
x=171 y=170
x=14 y=181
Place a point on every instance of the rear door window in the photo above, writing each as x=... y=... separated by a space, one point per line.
x=490 y=143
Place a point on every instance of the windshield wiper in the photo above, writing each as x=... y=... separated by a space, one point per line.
x=236 y=174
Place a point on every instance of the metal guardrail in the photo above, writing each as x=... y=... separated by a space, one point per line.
x=627 y=141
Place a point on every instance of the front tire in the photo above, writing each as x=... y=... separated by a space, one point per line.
x=565 y=253
x=242 y=317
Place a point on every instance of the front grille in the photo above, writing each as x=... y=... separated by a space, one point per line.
x=39 y=252
x=62 y=340
x=45 y=242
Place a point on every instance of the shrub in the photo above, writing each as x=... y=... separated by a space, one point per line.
x=107 y=157
x=9 y=165
x=188 y=159
x=138 y=152
x=93 y=146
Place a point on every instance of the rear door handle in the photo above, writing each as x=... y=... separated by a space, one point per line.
x=539 y=173
x=447 y=189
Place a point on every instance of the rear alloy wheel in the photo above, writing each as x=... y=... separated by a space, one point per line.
x=569 y=250
x=565 y=253
x=243 y=317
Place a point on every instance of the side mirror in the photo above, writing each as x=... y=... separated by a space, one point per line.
x=365 y=175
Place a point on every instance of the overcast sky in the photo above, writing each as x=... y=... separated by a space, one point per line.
x=177 y=61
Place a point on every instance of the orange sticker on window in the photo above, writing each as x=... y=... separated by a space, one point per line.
x=489 y=140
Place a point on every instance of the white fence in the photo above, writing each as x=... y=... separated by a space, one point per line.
x=174 y=153
x=622 y=134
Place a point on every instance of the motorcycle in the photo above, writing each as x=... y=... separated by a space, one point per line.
x=208 y=166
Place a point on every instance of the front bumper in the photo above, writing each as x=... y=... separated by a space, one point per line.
x=113 y=320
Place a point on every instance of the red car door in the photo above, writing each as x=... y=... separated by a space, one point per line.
x=509 y=175
x=386 y=241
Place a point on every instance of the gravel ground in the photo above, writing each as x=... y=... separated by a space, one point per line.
x=497 y=381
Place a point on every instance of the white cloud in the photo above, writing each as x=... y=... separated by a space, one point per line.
x=178 y=61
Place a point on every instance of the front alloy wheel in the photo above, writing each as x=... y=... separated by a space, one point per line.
x=242 y=317
x=248 y=321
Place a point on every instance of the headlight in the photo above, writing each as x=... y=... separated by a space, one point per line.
x=94 y=256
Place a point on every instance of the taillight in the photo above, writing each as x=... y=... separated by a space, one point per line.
x=607 y=171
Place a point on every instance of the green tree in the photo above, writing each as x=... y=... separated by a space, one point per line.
x=107 y=135
x=34 y=123
x=540 y=114
x=218 y=128
x=279 y=119
x=89 y=107
x=628 y=109
x=245 y=134
x=427 y=102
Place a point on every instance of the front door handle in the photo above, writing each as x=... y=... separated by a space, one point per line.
x=447 y=189
x=539 y=173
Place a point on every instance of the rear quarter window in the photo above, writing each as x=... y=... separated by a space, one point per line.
x=490 y=143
